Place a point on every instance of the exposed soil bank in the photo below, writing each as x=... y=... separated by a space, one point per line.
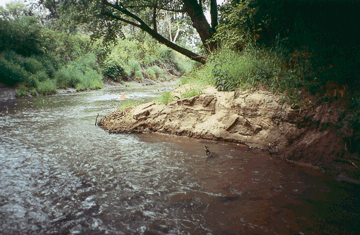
x=256 y=118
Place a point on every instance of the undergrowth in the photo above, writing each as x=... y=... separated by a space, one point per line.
x=134 y=59
x=165 y=98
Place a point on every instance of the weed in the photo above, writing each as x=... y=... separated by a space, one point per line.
x=165 y=98
x=191 y=93
x=128 y=103
x=21 y=90
x=47 y=87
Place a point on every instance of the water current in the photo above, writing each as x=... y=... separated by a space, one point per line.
x=60 y=174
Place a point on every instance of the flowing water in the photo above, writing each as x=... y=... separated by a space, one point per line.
x=60 y=174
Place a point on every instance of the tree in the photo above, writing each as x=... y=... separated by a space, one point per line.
x=106 y=17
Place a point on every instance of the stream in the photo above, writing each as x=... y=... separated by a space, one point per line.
x=61 y=174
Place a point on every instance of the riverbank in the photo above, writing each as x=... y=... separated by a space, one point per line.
x=258 y=119
x=7 y=92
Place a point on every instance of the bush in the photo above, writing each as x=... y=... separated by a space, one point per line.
x=67 y=77
x=91 y=79
x=11 y=72
x=158 y=71
x=32 y=65
x=113 y=70
x=134 y=65
x=81 y=74
x=250 y=68
x=151 y=73
x=21 y=90
x=139 y=75
x=40 y=76
x=165 y=98
x=47 y=87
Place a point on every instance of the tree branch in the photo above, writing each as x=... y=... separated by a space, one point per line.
x=142 y=25
x=122 y=19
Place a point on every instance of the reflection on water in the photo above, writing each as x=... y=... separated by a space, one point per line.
x=62 y=175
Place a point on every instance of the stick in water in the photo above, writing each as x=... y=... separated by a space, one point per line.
x=96 y=119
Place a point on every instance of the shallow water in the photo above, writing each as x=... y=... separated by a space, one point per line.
x=60 y=174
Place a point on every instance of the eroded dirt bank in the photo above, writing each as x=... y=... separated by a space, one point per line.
x=256 y=118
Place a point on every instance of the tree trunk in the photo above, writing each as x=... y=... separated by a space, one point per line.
x=196 y=14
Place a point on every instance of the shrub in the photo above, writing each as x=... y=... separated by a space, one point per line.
x=250 y=68
x=32 y=65
x=158 y=71
x=40 y=76
x=151 y=73
x=113 y=70
x=47 y=87
x=67 y=77
x=134 y=65
x=165 y=98
x=21 y=90
x=11 y=72
x=139 y=75
x=91 y=79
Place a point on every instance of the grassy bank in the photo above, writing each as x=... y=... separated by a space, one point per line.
x=39 y=59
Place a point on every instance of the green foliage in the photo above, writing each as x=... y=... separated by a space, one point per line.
x=21 y=35
x=133 y=56
x=134 y=66
x=157 y=70
x=191 y=93
x=91 y=79
x=183 y=64
x=32 y=65
x=139 y=75
x=21 y=90
x=165 y=98
x=113 y=70
x=237 y=25
x=252 y=67
x=151 y=73
x=11 y=72
x=82 y=74
x=128 y=103
x=47 y=87
x=202 y=76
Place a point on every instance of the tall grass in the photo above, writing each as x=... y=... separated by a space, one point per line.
x=147 y=57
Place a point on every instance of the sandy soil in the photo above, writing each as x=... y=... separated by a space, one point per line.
x=257 y=119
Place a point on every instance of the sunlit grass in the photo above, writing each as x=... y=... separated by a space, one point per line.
x=192 y=92
x=128 y=103
x=165 y=98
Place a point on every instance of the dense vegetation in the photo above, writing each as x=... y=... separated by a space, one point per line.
x=40 y=59
x=308 y=51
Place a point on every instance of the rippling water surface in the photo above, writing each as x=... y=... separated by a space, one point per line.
x=60 y=174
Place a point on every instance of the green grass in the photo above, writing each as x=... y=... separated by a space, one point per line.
x=128 y=103
x=165 y=98
x=192 y=92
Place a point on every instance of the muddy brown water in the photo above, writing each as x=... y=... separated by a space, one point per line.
x=59 y=174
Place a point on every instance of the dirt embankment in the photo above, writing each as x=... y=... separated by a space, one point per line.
x=256 y=118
